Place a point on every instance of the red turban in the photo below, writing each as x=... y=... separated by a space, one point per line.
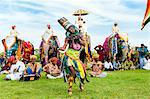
x=13 y=26
x=48 y=25
x=11 y=59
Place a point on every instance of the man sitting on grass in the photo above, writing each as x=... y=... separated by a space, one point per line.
x=127 y=65
x=16 y=69
x=97 y=68
x=6 y=68
x=108 y=65
x=33 y=70
x=147 y=63
x=52 y=69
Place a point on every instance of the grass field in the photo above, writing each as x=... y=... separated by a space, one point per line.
x=118 y=84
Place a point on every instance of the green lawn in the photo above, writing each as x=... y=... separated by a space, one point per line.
x=118 y=84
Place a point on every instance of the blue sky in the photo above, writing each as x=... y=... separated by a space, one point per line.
x=32 y=16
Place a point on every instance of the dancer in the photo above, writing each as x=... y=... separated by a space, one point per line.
x=72 y=65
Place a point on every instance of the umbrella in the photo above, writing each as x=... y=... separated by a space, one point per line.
x=80 y=12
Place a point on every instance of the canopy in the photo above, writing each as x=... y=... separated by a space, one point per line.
x=80 y=12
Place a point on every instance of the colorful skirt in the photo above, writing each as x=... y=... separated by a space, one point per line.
x=71 y=58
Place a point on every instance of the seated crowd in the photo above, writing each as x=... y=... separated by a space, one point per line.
x=18 y=70
x=15 y=69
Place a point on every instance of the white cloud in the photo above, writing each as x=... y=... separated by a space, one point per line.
x=31 y=18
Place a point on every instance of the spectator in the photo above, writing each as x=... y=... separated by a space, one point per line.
x=16 y=70
x=100 y=51
x=52 y=69
x=147 y=65
x=142 y=53
x=6 y=68
x=1 y=60
x=116 y=64
x=128 y=64
x=97 y=68
x=108 y=65
x=33 y=70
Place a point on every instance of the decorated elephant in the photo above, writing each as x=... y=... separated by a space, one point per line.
x=71 y=64
x=16 y=47
x=85 y=54
x=116 y=45
x=10 y=44
x=48 y=48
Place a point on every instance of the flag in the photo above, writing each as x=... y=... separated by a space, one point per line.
x=147 y=15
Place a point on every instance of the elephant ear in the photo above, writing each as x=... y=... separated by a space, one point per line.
x=10 y=41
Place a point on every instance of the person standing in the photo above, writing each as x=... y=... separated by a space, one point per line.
x=100 y=51
x=142 y=53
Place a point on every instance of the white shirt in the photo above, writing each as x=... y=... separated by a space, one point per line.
x=108 y=65
x=48 y=33
x=115 y=29
x=13 y=33
x=18 y=66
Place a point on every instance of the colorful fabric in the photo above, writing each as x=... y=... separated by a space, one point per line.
x=114 y=46
x=147 y=15
x=71 y=58
x=28 y=50
x=106 y=45
x=11 y=59
x=49 y=49
x=124 y=36
x=11 y=52
x=38 y=70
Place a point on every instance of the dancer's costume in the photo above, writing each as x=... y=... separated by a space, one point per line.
x=71 y=56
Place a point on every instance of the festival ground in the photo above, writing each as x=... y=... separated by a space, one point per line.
x=117 y=85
